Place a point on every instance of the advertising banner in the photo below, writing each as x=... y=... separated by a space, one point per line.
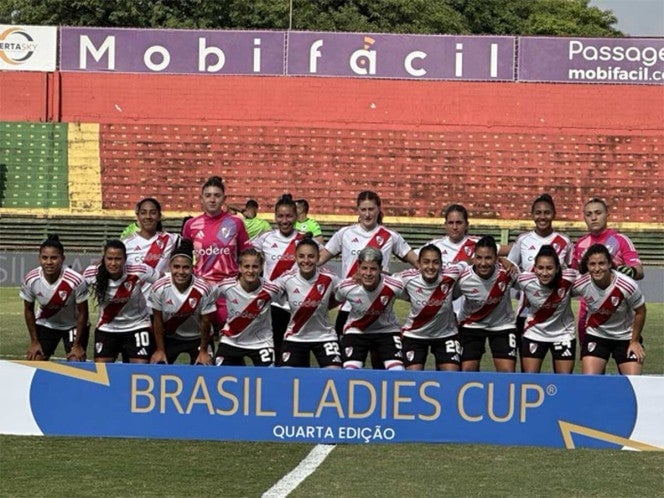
x=28 y=48
x=172 y=51
x=592 y=60
x=323 y=406
x=401 y=56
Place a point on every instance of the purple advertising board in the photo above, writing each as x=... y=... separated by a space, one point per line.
x=172 y=51
x=488 y=58
x=592 y=60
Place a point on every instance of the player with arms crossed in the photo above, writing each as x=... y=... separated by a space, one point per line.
x=616 y=315
x=549 y=324
x=183 y=306
x=371 y=324
x=431 y=323
x=218 y=239
x=124 y=323
x=310 y=293
x=62 y=296
x=248 y=330
x=486 y=312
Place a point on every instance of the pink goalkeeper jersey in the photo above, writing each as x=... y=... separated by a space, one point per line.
x=620 y=247
x=218 y=240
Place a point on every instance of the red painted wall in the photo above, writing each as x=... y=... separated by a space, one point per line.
x=421 y=145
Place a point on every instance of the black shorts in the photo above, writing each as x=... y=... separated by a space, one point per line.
x=356 y=347
x=232 y=356
x=50 y=338
x=502 y=343
x=175 y=346
x=604 y=348
x=446 y=350
x=563 y=350
x=138 y=344
x=298 y=354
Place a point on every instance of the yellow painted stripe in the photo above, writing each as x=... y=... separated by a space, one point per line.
x=84 y=169
x=475 y=223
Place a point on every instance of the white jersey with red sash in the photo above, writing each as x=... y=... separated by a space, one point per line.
x=57 y=302
x=431 y=315
x=154 y=252
x=249 y=323
x=610 y=310
x=124 y=308
x=525 y=248
x=182 y=311
x=309 y=302
x=371 y=312
x=488 y=303
x=550 y=317
x=455 y=252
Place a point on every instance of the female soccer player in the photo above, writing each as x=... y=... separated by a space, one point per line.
x=248 y=330
x=310 y=292
x=306 y=224
x=183 y=306
x=124 y=322
x=369 y=232
x=218 y=239
x=278 y=248
x=371 y=324
x=431 y=323
x=527 y=245
x=623 y=253
x=616 y=315
x=549 y=324
x=62 y=296
x=486 y=312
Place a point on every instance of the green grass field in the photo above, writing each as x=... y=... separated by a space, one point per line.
x=56 y=466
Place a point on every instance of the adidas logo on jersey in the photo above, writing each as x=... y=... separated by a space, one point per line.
x=296 y=291
x=355 y=240
x=137 y=248
x=169 y=301
x=474 y=291
x=142 y=352
x=567 y=352
x=274 y=246
x=200 y=234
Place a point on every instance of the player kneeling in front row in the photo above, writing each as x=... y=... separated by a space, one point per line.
x=183 y=307
x=310 y=292
x=62 y=296
x=431 y=323
x=371 y=323
x=247 y=332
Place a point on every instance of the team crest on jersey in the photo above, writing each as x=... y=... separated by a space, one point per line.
x=285 y=357
x=99 y=346
x=63 y=295
x=320 y=288
x=225 y=231
x=129 y=285
x=160 y=244
x=384 y=300
x=348 y=351
x=615 y=300
x=380 y=240
x=468 y=250
x=532 y=347
x=260 y=303
x=562 y=292
x=193 y=302
x=501 y=286
x=556 y=246
x=591 y=346
x=410 y=355
x=444 y=288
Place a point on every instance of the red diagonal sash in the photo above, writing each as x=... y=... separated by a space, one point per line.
x=287 y=259
x=375 y=310
x=186 y=310
x=242 y=320
x=118 y=302
x=57 y=301
x=462 y=254
x=434 y=303
x=312 y=300
x=607 y=308
x=377 y=241
x=549 y=306
x=494 y=297
x=156 y=250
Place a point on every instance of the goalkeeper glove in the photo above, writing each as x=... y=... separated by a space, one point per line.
x=627 y=270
